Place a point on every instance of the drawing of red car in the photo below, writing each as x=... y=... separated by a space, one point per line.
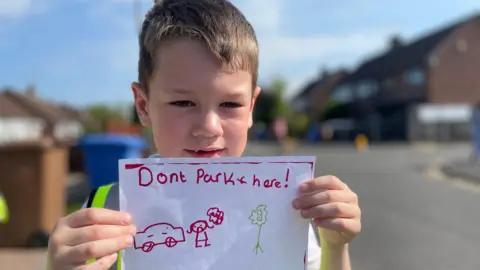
x=159 y=234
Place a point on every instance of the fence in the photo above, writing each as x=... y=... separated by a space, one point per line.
x=124 y=128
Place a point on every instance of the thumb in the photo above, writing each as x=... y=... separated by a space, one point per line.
x=103 y=263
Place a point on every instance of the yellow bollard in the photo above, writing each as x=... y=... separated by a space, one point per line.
x=288 y=144
x=361 y=142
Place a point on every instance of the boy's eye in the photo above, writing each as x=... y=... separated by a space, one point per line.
x=182 y=103
x=231 y=104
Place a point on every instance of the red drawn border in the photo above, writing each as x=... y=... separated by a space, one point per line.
x=138 y=165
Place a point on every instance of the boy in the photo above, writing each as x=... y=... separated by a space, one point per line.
x=197 y=88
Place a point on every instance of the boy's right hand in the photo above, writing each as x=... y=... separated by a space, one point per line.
x=87 y=234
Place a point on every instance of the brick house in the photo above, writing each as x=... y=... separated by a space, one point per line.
x=441 y=67
x=313 y=98
x=36 y=138
x=24 y=117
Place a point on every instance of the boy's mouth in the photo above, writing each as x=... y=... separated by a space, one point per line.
x=206 y=153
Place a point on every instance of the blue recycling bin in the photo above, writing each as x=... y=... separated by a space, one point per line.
x=313 y=134
x=102 y=152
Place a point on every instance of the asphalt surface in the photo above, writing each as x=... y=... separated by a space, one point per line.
x=409 y=221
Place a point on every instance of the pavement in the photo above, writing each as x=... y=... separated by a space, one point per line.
x=412 y=218
x=464 y=168
x=19 y=259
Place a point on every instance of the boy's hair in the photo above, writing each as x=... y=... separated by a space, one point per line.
x=217 y=23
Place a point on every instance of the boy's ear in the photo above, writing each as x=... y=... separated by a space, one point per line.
x=141 y=104
x=256 y=92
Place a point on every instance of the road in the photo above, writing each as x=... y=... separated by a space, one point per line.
x=409 y=221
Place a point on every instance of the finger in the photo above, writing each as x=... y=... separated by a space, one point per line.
x=98 y=249
x=350 y=226
x=323 y=182
x=324 y=197
x=91 y=216
x=77 y=236
x=102 y=264
x=332 y=210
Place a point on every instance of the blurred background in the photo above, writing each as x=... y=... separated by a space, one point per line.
x=385 y=94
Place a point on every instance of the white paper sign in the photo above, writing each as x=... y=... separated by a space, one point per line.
x=215 y=214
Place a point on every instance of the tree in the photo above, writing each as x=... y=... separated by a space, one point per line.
x=258 y=217
x=278 y=88
x=263 y=112
x=135 y=118
x=298 y=124
x=99 y=115
x=271 y=103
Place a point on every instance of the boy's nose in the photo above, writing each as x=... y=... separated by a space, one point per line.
x=208 y=125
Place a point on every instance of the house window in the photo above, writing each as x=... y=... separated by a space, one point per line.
x=367 y=88
x=20 y=129
x=415 y=76
x=68 y=130
x=343 y=94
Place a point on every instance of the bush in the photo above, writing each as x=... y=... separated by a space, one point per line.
x=298 y=125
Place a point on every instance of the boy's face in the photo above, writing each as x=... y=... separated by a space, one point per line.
x=196 y=107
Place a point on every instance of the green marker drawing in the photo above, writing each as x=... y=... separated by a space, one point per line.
x=259 y=218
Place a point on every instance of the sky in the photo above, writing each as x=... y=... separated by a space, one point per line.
x=85 y=51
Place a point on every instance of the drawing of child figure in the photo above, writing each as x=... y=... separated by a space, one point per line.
x=200 y=227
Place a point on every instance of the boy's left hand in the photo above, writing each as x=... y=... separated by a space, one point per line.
x=332 y=206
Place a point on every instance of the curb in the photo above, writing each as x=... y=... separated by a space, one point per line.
x=451 y=172
x=448 y=175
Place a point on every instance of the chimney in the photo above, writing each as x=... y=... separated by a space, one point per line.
x=395 y=42
x=324 y=73
x=31 y=91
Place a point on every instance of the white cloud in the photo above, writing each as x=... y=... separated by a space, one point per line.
x=14 y=8
x=333 y=49
x=278 y=50
x=120 y=51
x=310 y=54
x=19 y=8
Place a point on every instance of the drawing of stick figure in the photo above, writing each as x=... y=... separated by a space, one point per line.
x=200 y=227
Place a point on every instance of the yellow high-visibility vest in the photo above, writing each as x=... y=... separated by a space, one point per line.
x=97 y=200
x=4 y=213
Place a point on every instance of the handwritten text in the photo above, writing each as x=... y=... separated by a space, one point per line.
x=202 y=176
